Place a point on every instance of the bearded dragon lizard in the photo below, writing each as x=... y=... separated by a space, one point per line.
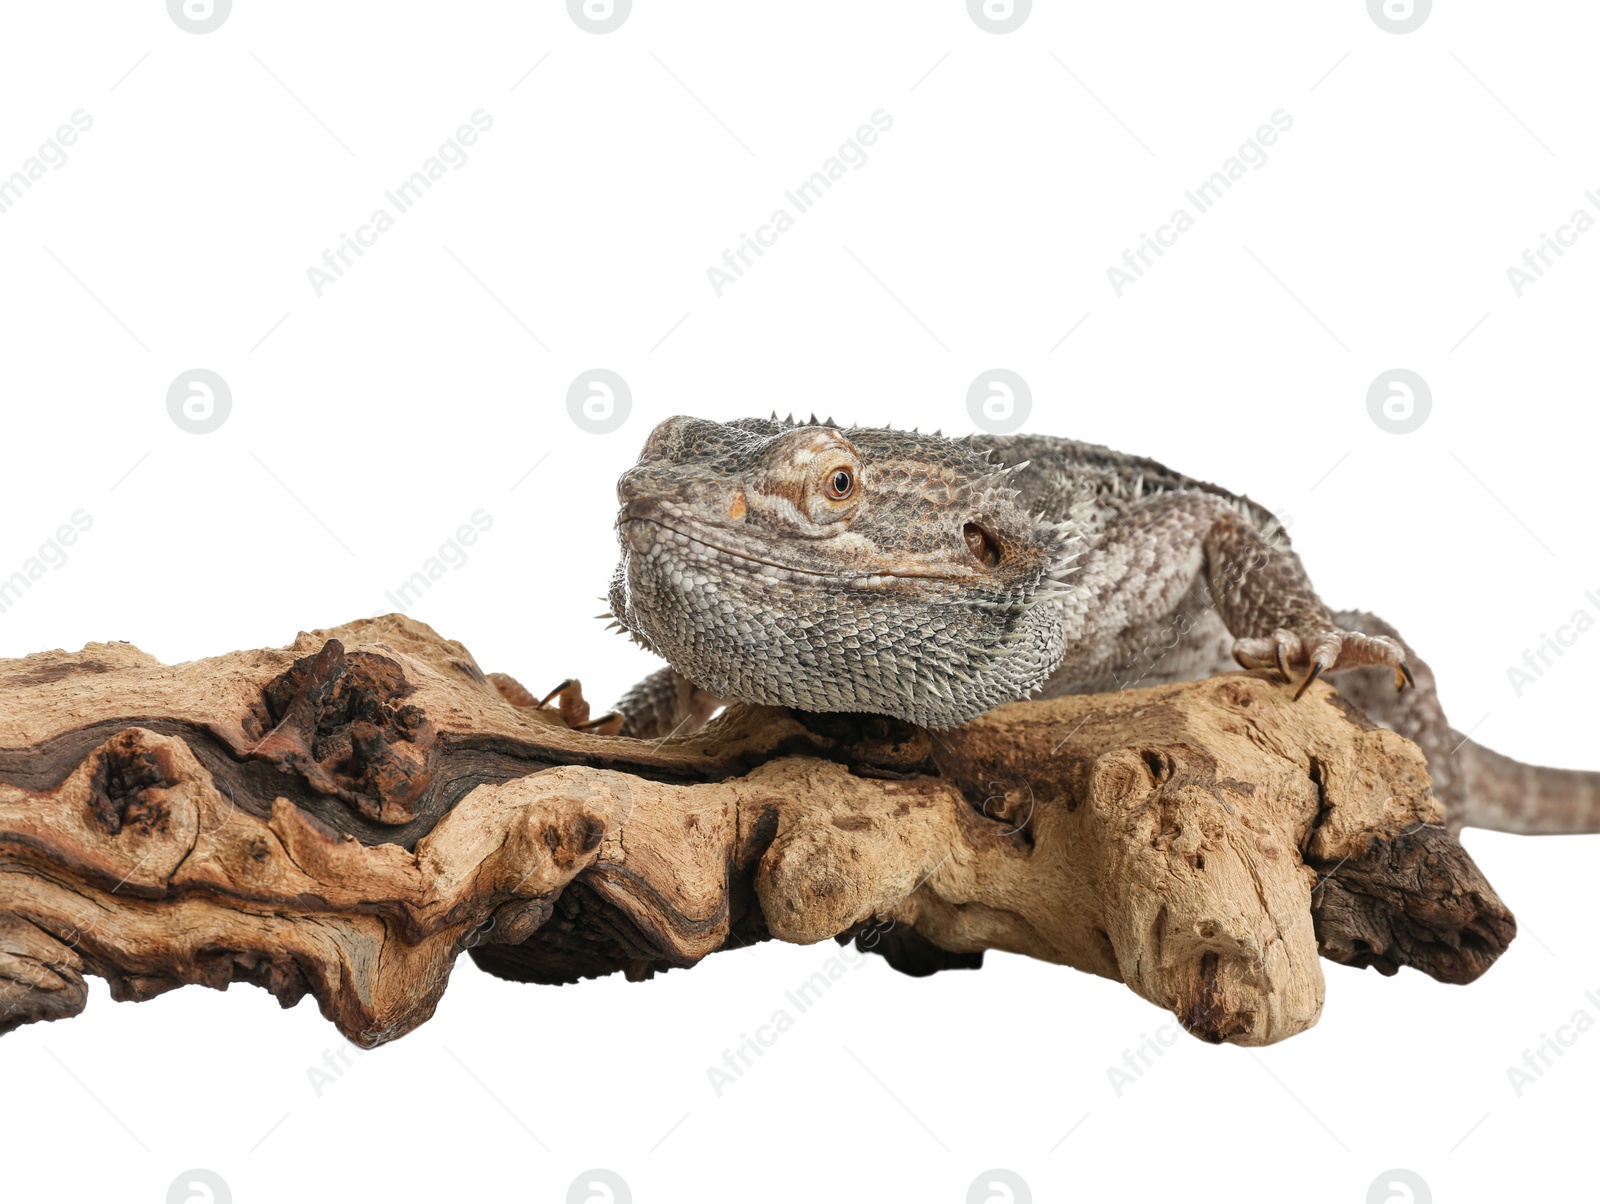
x=929 y=578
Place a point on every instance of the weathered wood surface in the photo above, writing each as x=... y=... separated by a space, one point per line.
x=343 y=817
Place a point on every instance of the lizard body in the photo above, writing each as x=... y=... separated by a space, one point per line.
x=894 y=572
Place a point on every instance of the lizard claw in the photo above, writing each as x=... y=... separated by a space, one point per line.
x=1315 y=650
x=1244 y=661
x=568 y=696
x=564 y=686
x=608 y=724
x=1316 y=672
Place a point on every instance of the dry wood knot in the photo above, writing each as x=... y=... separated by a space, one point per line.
x=128 y=788
x=338 y=721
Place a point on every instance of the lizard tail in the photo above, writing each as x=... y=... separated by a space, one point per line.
x=1504 y=795
x=1479 y=787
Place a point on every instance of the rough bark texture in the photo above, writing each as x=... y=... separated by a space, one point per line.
x=344 y=816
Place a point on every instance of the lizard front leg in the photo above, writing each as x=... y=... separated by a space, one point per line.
x=1268 y=603
x=665 y=704
x=1149 y=556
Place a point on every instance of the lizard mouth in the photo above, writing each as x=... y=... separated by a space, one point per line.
x=653 y=515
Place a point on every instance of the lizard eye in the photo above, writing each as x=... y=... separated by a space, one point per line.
x=841 y=484
x=981 y=544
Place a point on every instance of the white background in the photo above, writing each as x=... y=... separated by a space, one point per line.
x=370 y=422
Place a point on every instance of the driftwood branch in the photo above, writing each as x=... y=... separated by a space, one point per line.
x=343 y=817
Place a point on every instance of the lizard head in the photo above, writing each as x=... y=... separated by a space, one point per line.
x=832 y=569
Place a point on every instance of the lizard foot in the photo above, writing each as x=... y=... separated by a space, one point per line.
x=1315 y=652
x=574 y=708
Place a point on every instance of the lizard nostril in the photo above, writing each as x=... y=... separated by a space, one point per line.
x=981 y=544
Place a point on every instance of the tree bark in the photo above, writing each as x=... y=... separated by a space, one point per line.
x=343 y=817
